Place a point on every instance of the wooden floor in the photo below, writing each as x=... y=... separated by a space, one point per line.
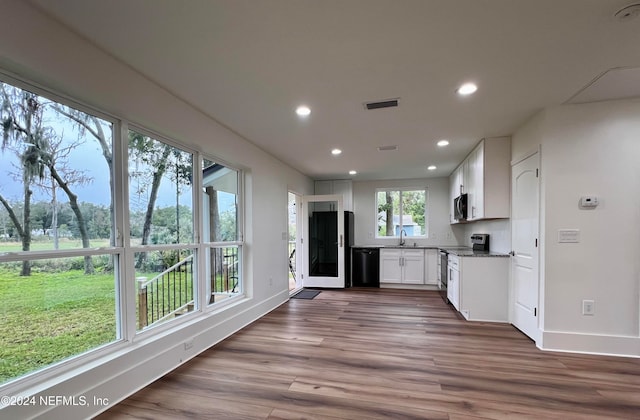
x=382 y=353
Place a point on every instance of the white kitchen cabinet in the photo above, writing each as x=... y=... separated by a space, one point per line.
x=475 y=184
x=489 y=179
x=405 y=266
x=390 y=268
x=342 y=187
x=431 y=263
x=484 y=176
x=478 y=287
x=456 y=187
x=453 y=284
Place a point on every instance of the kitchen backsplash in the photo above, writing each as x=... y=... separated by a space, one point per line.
x=499 y=231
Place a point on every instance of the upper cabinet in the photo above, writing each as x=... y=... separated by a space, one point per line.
x=484 y=177
x=338 y=186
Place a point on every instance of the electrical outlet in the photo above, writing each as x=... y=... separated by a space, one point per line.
x=588 y=307
x=188 y=344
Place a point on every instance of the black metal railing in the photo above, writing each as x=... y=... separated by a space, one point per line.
x=167 y=295
x=224 y=275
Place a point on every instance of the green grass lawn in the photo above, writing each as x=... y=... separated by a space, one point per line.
x=46 y=245
x=58 y=312
x=48 y=317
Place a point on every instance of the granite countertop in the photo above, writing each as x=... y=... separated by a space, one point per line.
x=460 y=251
x=398 y=246
x=468 y=252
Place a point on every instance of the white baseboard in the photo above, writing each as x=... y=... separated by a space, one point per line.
x=609 y=345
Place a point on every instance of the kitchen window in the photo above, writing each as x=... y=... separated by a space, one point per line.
x=401 y=210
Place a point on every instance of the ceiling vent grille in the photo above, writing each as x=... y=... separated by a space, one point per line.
x=387 y=148
x=387 y=103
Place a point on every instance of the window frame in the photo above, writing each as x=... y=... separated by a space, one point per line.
x=238 y=242
x=400 y=191
x=118 y=250
x=124 y=269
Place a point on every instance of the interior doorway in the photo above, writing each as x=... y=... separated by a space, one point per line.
x=294 y=249
x=525 y=281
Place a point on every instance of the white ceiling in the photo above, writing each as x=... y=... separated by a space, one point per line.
x=249 y=63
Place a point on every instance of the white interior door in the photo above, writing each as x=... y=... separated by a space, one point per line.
x=323 y=241
x=524 y=239
x=294 y=248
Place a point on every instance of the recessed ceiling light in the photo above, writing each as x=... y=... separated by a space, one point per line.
x=303 y=111
x=431 y=167
x=352 y=172
x=443 y=143
x=336 y=152
x=467 y=89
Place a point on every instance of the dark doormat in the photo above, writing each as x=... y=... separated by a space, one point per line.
x=306 y=294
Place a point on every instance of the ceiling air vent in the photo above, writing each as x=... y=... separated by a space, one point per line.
x=387 y=148
x=387 y=103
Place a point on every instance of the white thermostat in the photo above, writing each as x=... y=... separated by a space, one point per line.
x=588 y=201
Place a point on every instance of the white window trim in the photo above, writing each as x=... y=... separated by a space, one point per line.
x=400 y=190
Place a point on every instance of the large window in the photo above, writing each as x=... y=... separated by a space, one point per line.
x=96 y=215
x=221 y=233
x=58 y=266
x=161 y=226
x=401 y=210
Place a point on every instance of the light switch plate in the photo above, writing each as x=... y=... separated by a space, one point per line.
x=567 y=236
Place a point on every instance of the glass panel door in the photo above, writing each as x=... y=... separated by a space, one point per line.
x=324 y=241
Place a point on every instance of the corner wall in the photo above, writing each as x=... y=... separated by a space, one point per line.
x=589 y=149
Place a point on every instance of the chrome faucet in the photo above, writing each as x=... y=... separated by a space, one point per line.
x=401 y=237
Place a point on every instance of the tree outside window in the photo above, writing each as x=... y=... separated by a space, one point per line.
x=401 y=209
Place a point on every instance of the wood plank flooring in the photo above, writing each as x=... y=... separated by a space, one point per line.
x=384 y=353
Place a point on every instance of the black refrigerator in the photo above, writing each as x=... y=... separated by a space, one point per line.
x=323 y=252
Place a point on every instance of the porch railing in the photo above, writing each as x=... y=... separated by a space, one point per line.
x=224 y=274
x=167 y=295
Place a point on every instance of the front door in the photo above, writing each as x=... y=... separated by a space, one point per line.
x=524 y=239
x=324 y=241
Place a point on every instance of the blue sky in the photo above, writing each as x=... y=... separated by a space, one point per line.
x=87 y=159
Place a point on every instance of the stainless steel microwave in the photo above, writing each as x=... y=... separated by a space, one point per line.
x=460 y=207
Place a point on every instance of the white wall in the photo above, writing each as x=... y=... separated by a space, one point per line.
x=589 y=149
x=499 y=231
x=365 y=211
x=37 y=48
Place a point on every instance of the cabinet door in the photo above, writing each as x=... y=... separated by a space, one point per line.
x=476 y=183
x=453 y=288
x=344 y=187
x=323 y=187
x=413 y=266
x=390 y=269
x=431 y=267
x=456 y=186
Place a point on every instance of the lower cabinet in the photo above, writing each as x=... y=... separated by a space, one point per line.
x=431 y=270
x=405 y=266
x=478 y=287
x=453 y=285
